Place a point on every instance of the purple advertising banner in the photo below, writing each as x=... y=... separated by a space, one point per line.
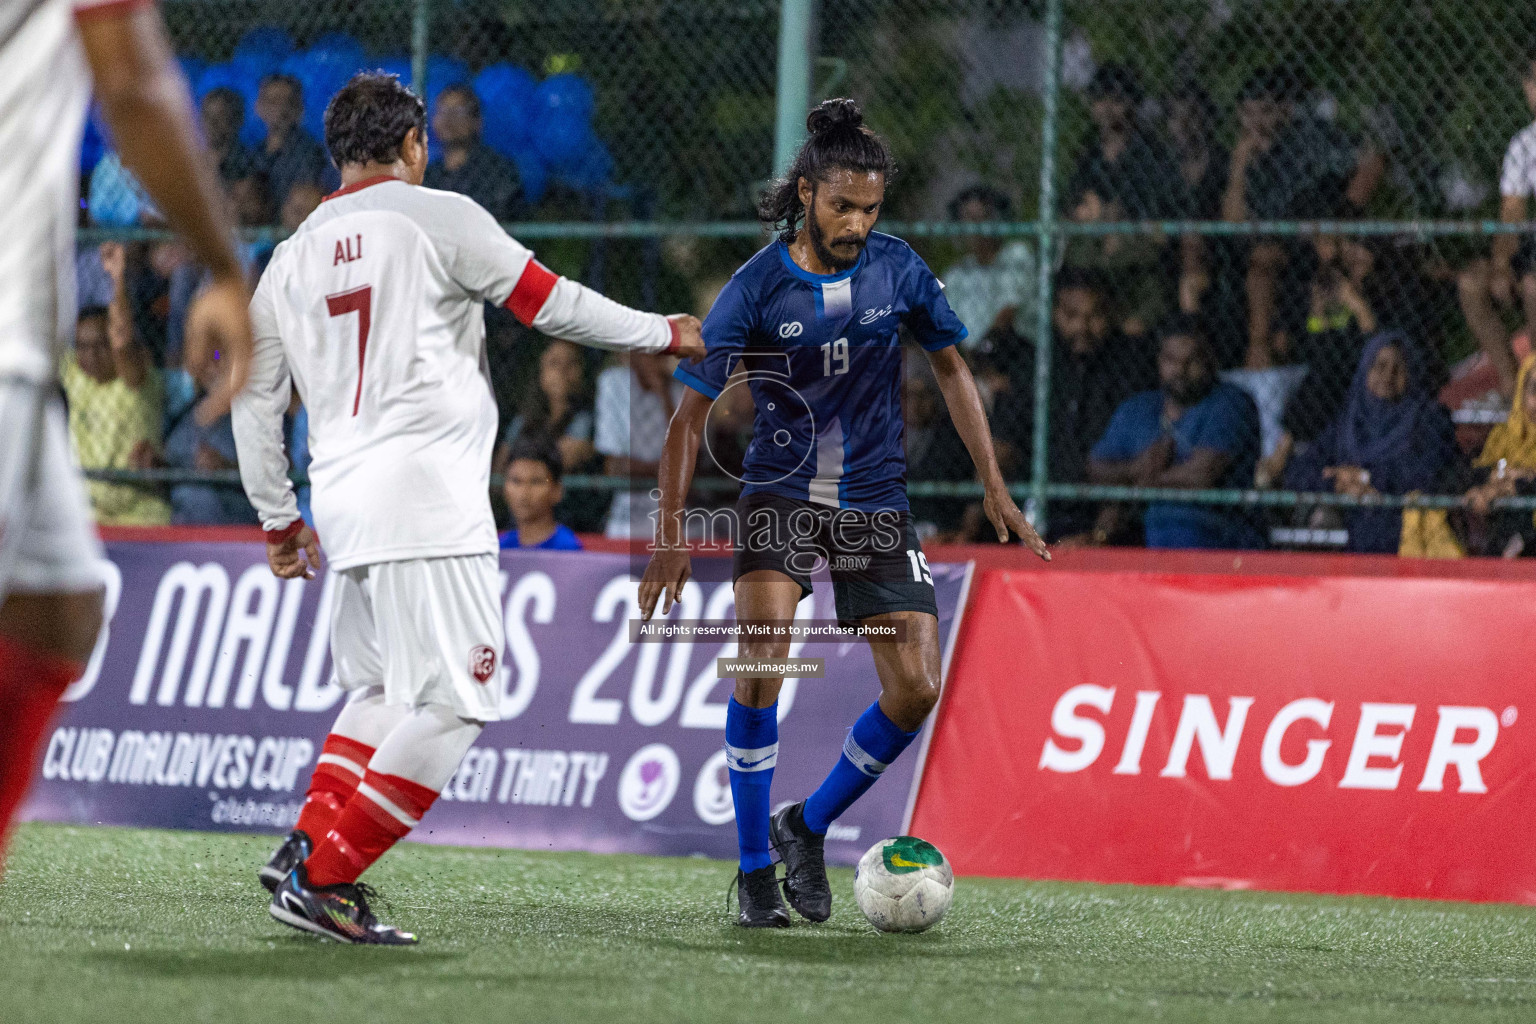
x=210 y=693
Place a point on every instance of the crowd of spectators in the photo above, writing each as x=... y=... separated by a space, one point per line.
x=1239 y=361
x=1179 y=362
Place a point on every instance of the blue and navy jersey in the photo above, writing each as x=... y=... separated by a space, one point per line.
x=822 y=357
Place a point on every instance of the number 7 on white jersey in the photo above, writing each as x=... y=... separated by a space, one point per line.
x=359 y=301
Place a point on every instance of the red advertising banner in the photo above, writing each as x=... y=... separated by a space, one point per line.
x=1363 y=733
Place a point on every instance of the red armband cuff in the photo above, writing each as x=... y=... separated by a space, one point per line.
x=531 y=292
x=286 y=533
x=677 y=338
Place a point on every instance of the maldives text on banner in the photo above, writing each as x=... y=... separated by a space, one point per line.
x=210 y=694
x=1346 y=734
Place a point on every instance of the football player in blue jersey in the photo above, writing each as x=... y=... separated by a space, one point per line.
x=811 y=325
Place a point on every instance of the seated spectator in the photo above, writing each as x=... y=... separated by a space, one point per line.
x=1124 y=174
x=557 y=408
x=1341 y=316
x=991 y=288
x=1506 y=467
x=1206 y=264
x=223 y=115
x=206 y=444
x=467 y=165
x=533 y=490
x=203 y=440
x=1094 y=368
x=1122 y=164
x=115 y=400
x=1194 y=433
x=1488 y=284
x=251 y=198
x=634 y=406
x=289 y=155
x=1392 y=437
x=934 y=453
x=1133 y=261
x=303 y=199
x=1287 y=166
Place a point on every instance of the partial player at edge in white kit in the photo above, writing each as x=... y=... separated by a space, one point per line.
x=373 y=311
x=54 y=52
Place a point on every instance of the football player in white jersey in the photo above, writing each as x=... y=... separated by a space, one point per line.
x=50 y=578
x=373 y=311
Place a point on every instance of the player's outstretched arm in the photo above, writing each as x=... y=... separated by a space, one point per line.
x=489 y=263
x=970 y=420
x=670 y=565
x=574 y=312
x=145 y=102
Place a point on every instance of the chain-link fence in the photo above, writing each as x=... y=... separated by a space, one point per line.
x=1283 y=216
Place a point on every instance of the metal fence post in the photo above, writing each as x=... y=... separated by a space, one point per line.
x=793 y=97
x=1046 y=234
x=421 y=16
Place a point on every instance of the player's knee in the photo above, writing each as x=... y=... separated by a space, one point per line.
x=925 y=696
x=914 y=700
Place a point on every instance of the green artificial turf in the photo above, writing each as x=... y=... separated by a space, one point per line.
x=126 y=925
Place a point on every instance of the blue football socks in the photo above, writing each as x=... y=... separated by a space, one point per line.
x=751 y=750
x=872 y=744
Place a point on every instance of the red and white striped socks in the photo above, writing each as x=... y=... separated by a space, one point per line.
x=343 y=762
x=396 y=785
x=381 y=813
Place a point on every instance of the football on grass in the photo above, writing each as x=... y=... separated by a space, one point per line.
x=903 y=884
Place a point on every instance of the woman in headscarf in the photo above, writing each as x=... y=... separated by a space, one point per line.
x=1507 y=466
x=1392 y=437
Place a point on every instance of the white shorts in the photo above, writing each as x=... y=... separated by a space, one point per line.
x=48 y=542
x=428 y=630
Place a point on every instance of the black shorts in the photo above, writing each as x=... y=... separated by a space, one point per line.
x=876 y=562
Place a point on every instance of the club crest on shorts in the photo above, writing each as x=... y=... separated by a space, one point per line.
x=482 y=663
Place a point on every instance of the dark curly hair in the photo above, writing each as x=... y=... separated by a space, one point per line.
x=368 y=119
x=839 y=142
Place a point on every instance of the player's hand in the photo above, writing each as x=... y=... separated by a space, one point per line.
x=690 y=336
x=297 y=557
x=1005 y=516
x=219 y=328
x=664 y=578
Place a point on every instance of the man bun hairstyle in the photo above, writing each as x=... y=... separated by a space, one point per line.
x=366 y=122
x=839 y=141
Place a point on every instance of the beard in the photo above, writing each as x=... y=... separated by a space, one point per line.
x=1189 y=393
x=824 y=251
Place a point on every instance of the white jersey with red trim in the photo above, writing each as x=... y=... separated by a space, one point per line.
x=43 y=95
x=374 y=310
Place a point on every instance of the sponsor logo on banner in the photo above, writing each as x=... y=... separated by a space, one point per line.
x=712 y=799
x=1308 y=731
x=211 y=692
x=1463 y=737
x=648 y=782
